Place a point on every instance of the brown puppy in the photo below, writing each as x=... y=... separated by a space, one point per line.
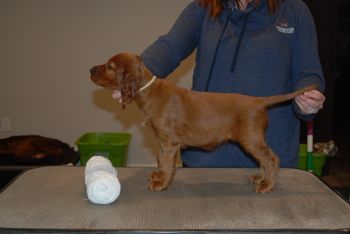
x=181 y=117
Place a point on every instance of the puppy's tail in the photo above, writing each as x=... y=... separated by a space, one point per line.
x=270 y=101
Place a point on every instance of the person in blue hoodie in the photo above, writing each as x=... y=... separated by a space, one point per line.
x=251 y=47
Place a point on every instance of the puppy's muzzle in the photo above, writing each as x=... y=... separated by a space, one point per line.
x=94 y=70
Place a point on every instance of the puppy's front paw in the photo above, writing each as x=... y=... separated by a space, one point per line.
x=157 y=181
x=155 y=176
x=156 y=185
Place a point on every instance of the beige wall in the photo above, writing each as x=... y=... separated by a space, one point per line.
x=46 y=50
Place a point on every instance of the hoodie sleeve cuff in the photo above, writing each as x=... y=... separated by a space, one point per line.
x=305 y=117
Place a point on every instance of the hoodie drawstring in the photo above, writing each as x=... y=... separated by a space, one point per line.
x=239 y=42
x=215 y=53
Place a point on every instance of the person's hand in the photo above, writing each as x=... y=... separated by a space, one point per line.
x=310 y=102
x=117 y=95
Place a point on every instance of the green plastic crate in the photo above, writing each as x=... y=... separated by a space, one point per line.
x=318 y=160
x=113 y=146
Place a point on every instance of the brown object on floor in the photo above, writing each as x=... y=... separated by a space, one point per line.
x=35 y=150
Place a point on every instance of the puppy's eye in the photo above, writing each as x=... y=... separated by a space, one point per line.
x=109 y=67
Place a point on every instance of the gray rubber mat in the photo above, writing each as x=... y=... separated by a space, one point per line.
x=198 y=199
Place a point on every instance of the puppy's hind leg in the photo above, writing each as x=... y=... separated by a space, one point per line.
x=269 y=166
x=160 y=180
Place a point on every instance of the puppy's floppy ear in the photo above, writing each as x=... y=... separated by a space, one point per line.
x=130 y=85
x=129 y=88
x=131 y=78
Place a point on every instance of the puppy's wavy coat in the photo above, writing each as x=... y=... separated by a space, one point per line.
x=180 y=117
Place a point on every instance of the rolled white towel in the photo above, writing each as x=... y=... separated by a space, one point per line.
x=102 y=184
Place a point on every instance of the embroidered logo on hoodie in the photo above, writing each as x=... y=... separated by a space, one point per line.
x=284 y=27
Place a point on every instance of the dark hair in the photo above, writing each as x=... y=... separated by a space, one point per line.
x=216 y=6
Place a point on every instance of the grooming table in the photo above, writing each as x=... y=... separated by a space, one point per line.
x=53 y=199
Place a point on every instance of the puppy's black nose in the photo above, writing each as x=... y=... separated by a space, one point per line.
x=93 y=70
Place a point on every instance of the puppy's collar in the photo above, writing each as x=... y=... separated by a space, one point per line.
x=149 y=83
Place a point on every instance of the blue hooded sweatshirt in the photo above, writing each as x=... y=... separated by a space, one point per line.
x=249 y=52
